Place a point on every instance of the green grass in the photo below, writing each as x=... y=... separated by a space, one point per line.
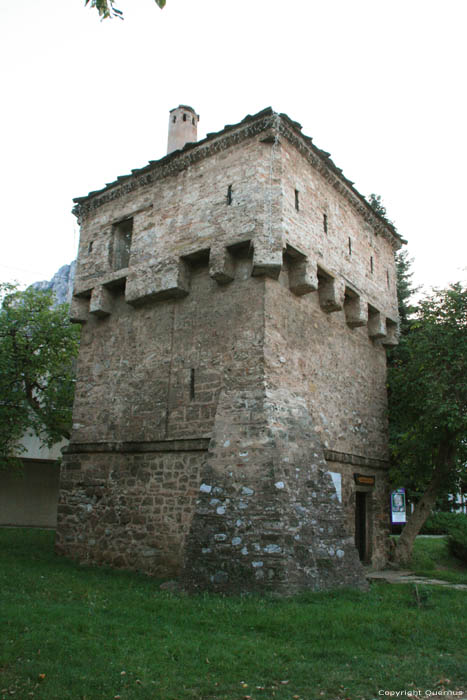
x=95 y=633
x=431 y=557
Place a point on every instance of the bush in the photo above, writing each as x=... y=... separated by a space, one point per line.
x=457 y=538
x=440 y=523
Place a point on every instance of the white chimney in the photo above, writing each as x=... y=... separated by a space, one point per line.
x=183 y=127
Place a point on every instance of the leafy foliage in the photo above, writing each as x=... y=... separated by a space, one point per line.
x=107 y=9
x=405 y=289
x=440 y=523
x=376 y=203
x=428 y=401
x=428 y=386
x=457 y=539
x=37 y=350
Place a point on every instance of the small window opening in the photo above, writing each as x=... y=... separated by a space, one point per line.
x=350 y=246
x=297 y=200
x=90 y=246
x=387 y=277
x=174 y=118
x=325 y=223
x=184 y=117
x=371 y=264
x=121 y=244
x=229 y=194
x=192 y=384
x=193 y=120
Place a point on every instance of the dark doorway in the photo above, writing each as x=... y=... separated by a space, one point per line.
x=360 y=524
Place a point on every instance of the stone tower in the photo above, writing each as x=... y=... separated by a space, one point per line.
x=237 y=297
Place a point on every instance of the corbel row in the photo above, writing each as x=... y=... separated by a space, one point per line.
x=171 y=279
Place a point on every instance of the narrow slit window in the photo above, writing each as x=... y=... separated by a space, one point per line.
x=91 y=243
x=387 y=277
x=184 y=117
x=174 y=119
x=325 y=223
x=371 y=265
x=297 y=200
x=192 y=384
x=350 y=246
x=229 y=194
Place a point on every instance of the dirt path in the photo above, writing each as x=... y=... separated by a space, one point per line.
x=396 y=576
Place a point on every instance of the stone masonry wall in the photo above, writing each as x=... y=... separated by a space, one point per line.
x=340 y=375
x=128 y=510
x=154 y=372
x=267 y=515
x=326 y=240
x=378 y=516
x=340 y=372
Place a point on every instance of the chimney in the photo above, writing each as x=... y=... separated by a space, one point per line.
x=183 y=127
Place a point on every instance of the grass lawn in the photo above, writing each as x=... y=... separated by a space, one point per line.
x=87 y=633
x=431 y=557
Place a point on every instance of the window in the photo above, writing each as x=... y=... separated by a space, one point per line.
x=229 y=194
x=184 y=117
x=192 y=384
x=174 y=118
x=372 y=267
x=350 y=246
x=325 y=223
x=121 y=244
x=297 y=201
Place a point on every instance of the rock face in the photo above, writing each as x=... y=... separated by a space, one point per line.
x=229 y=429
x=61 y=284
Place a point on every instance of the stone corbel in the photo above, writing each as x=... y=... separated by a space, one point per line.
x=303 y=276
x=221 y=264
x=267 y=259
x=356 y=311
x=79 y=310
x=169 y=279
x=376 y=324
x=101 y=302
x=392 y=334
x=331 y=292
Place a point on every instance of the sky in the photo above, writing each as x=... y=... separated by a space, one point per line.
x=380 y=84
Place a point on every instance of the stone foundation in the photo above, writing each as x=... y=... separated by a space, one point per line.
x=128 y=510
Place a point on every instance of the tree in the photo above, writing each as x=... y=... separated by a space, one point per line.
x=405 y=290
x=428 y=406
x=38 y=346
x=106 y=8
x=376 y=203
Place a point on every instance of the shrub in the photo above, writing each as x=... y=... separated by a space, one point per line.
x=457 y=538
x=440 y=523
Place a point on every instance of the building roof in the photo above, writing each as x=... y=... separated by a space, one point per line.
x=267 y=120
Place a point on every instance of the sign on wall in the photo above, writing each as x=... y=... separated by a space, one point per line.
x=337 y=481
x=398 y=506
x=364 y=480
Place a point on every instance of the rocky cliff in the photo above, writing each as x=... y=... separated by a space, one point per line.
x=61 y=283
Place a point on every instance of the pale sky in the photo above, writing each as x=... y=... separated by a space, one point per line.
x=378 y=83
